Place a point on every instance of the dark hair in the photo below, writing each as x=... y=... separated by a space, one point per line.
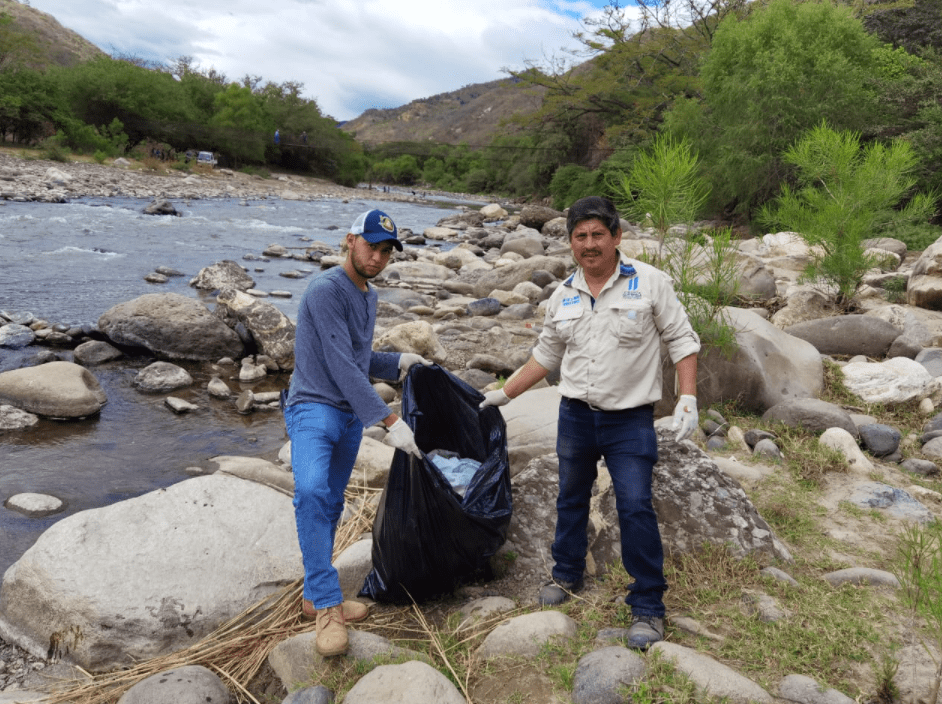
x=593 y=208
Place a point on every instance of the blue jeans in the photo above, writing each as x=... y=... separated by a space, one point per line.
x=324 y=446
x=628 y=442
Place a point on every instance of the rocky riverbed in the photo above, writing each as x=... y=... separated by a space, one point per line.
x=475 y=309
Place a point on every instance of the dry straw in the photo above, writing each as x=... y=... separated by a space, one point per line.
x=236 y=650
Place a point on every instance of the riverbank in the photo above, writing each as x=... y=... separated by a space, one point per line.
x=25 y=176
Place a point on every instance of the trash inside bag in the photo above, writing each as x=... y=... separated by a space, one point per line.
x=431 y=535
x=459 y=471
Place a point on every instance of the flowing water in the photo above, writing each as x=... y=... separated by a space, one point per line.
x=69 y=263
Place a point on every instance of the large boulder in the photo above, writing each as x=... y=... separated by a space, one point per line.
x=54 y=390
x=768 y=367
x=847 y=334
x=417 y=271
x=172 y=327
x=536 y=216
x=224 y=274
x=695 y=503
x=506 y=277
x=108 y=587
x=925 y=283
x=271 y=329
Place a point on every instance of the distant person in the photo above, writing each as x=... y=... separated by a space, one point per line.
x=277 y=137
x=329 y=402
x=304 y=138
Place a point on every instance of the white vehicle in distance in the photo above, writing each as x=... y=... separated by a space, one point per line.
x=206 y=158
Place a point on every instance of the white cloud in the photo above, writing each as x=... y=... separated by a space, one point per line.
x=350 y=55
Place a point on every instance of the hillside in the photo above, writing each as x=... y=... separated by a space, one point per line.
x=35 y=39
x=473 y=114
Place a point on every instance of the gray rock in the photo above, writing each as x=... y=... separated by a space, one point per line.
x=272 y=331
x=916 y=466
x=310 y=695
x=811 y=414
x=517 y=311
x=601 y=675
x=189 y=684
x=484 y=306
x=224 y=274
x=155 y=278
x=716 y=678
x=847 y=334
x=96 y=352
x=752 y=436
x=179 y=405
x=895 y=502
x=217 y=388
x=54 y=390
x=525 y=635
x=777 y=574
x=413 y=682
x=805 y=690
x=161 y=207
x=768 y=449
x=12 y=418
x=506 y=277
x=931 y=359
x=34 y=505
x=14 y=336
x=524 y=246
x=861 y=576
x=172 y=327
x=878 y=439
x=536 y=216
x=162 y=376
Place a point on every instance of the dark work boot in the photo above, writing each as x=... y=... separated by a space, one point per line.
x=644 y=631
x=556 y=592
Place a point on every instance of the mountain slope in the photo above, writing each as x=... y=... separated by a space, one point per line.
x=473 y=114
x=35 y=39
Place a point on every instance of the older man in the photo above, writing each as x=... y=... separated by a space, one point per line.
x=329 y=402
x=603 y=330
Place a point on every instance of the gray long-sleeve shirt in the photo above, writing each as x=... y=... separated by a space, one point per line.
x=333 y=349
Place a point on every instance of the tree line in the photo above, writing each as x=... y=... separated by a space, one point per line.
x=111 y=105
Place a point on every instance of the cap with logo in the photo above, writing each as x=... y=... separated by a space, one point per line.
x=375 y=226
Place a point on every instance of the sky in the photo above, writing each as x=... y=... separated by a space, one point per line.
x=350 y=55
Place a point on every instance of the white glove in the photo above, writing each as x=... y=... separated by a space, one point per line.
x=407 y=359
x=494 y=398
x=401 y=437
x=685 y=417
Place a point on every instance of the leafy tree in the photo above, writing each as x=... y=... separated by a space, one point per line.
x=766 y=80
x=29 y=104
x=913 y=27
x=846 y=193
x=244 y=124
x=634 y=71
x=148 y=103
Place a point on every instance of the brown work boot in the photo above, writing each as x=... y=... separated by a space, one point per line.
x=353 y=611
x=331 y=631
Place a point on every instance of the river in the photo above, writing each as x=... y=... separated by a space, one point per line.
x=68 y=263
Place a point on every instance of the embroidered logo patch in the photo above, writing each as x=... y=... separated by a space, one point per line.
x=631 y=294
x=571 y=301
x=386 y=223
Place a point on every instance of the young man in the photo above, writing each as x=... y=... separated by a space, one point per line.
x=603 y=330
x=329 y=403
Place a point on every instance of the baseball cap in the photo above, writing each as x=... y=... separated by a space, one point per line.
x=376 y=226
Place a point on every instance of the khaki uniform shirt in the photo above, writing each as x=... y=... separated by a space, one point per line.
x=609 y=353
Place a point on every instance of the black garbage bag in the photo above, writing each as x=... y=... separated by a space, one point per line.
x=427 y=538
